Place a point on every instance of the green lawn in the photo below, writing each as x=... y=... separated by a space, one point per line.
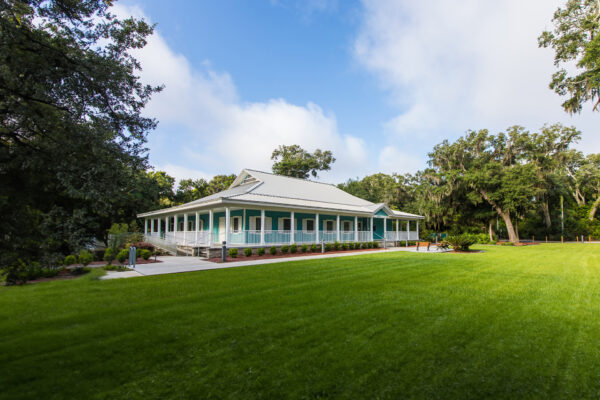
x=507 y=323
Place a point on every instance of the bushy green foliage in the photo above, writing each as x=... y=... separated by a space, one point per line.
x=138 y=253
x=85 y=257
x=344 y=246
x=70 y=260
x=506 y=243
x=233 y=253
x=260 y=251
x=327 y=246
x=462 y=242
x=294 y=161
x=364 y=245
x=375 y=245
x=313 y=248
x=294 y=248
x=273 y=250
x=304 y=248
x=248 y=251
x=482 y=238
x=336 y=245
x=122 y=256
x=284 y=249
x=146 y=254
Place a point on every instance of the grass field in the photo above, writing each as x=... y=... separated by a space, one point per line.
x=508 y=323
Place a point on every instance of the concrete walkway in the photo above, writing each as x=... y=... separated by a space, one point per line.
x=171 y=265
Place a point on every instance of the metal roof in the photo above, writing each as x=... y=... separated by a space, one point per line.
x=283 y=191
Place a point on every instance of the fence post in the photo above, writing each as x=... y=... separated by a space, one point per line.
x=223 y=251
x=562 y=239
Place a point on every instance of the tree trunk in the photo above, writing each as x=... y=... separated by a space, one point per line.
x=594 y=208
x=505 y=215
x=546 y=210
x=491 y=230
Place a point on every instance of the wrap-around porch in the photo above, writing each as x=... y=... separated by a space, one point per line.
x=254 y=227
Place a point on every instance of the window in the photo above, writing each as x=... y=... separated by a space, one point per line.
x=191 y=225
x=360 y=228
x=329 y=226
x=287 y=224
x=236 y=224
x=346 y=226
x=310 y=225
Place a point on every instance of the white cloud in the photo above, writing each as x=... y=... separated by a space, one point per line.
x=452 y=66
x=218 y=133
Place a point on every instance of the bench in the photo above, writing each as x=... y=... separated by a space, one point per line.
x=423 y=244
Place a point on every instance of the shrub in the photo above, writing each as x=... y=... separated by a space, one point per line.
x=482 y=238
x=85 y=257
x=260 y=251
x=143 y=245
x=70 y=260
x=109 y=255
x=50 y=272
x=122 y=255
x=375 y=245
x=462 y=242
x=285 y=248
x=98 y=254
x=80 y=271
x=138 y=253
x=313 y=248
x=345 y=246
x=248 y=251
x=294 y=248
x=444 y=244
x=273 y=250
x=369 y=245
x=506 y=243
x=328 y=247
x=304 y=248
x=146 y=254
x=336 y=245
x=233 y=253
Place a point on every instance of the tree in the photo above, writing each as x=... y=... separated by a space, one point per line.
x=576 y=39
x=71 y=131
x=219 y=183
x=296 y=162
x=190 y=190
x=491 y=169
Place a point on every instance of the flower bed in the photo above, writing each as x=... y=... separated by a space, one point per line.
x=267 y=256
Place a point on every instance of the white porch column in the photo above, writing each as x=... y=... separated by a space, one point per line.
x=175 y=223
x=384 y=227
x=244 y=234
x=397 y=229
x=317 y=228
x=355 y=228
x=185 y=226
x=210 y=227
x=145 y=226
x=152 y=226
x=407 y=232
x=196 y=226
x=337 y=228
x=417 y=230
x=167 y=224
x=292 y=227
x=371 y=229
x=262 y=227
x=227 y=222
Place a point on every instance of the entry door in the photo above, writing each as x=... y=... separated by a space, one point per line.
x=221 y=229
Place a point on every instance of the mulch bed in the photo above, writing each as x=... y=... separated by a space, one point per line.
x=95 y=264
x=268 y=256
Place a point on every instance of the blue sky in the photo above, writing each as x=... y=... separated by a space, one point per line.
x=377 y=82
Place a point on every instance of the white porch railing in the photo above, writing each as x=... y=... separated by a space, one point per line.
x=171 y=240
x=402 y=235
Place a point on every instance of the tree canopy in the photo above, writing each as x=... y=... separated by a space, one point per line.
x=576 y=40
x=71 y=131
x=296 y=162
